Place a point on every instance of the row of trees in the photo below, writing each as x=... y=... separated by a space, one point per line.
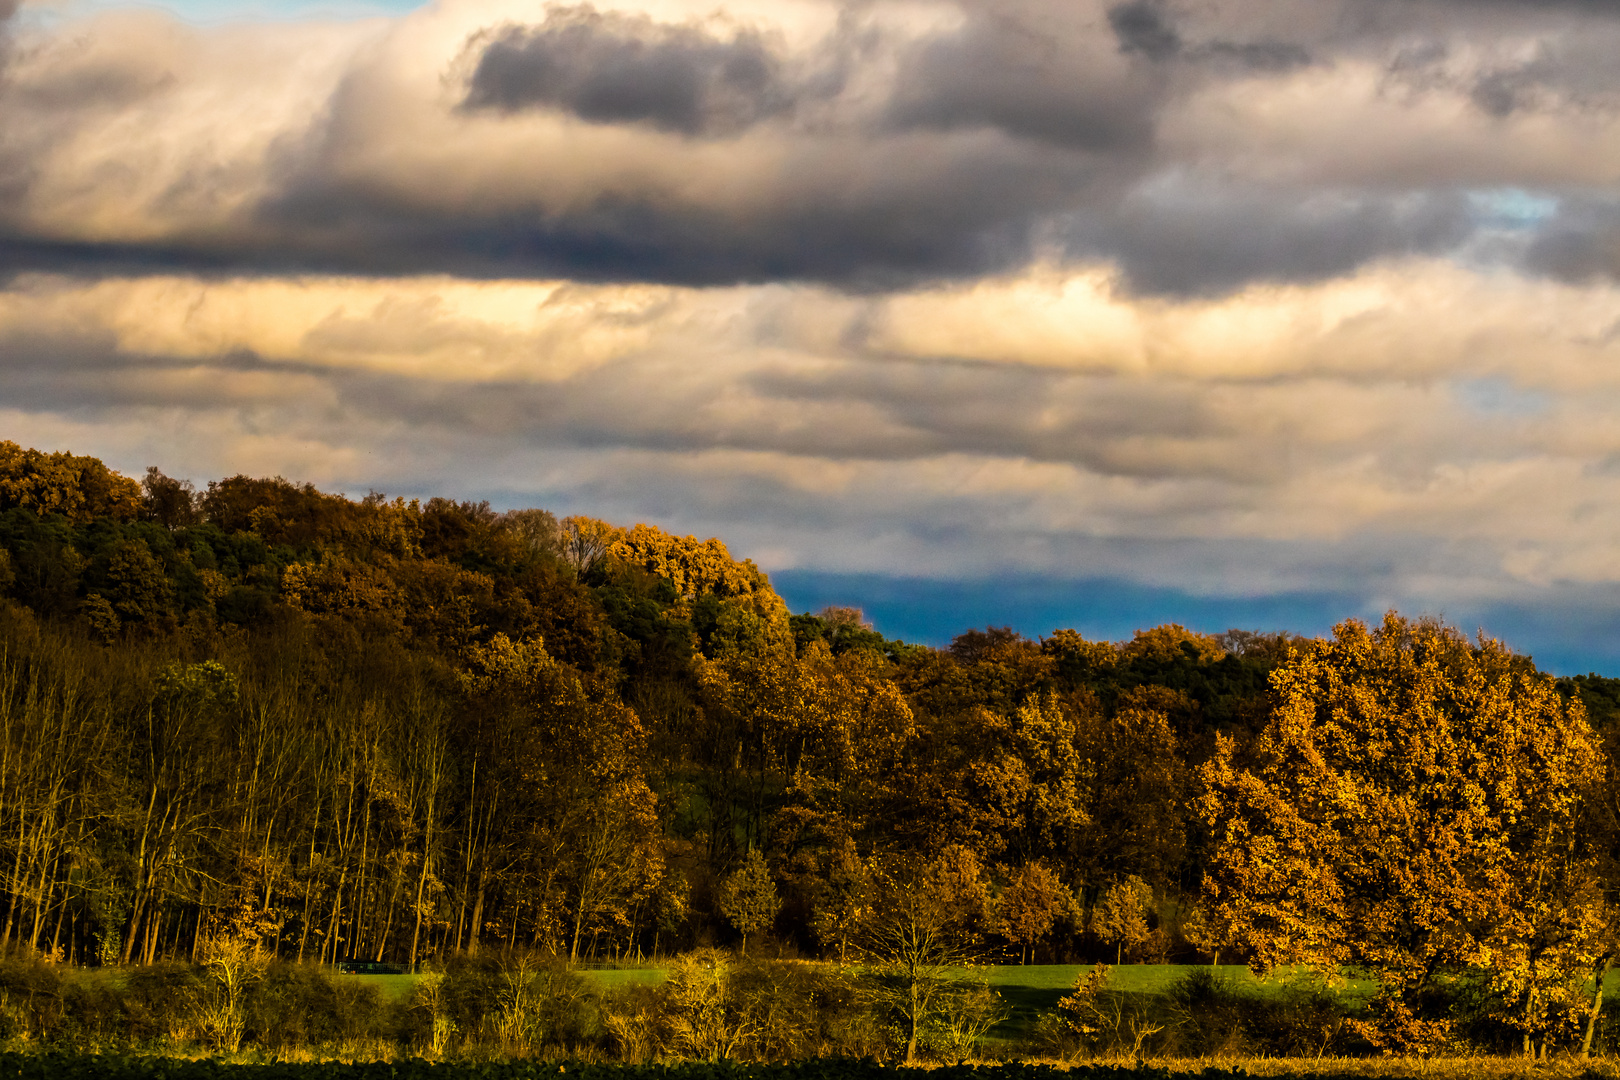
x=401 y=730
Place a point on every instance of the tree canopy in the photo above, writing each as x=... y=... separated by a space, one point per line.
x=382 y=728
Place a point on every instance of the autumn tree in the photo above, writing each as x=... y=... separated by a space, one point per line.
x=926 y=920
x=169 y=502
x=981 y=707
x=1134 y=816
x=586 y=543
x=841 y=899
x=1410 y=810
x=1030 y=906
x=139 y=589
x=747 y=897
x=81 y=489
x=537 y=532
x=698 y=568
x=1120 y=916
x=615 y=857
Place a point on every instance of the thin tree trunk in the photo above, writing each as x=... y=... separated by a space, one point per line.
x=911 y=1035
x=154 y=913
x=56 y=937
x=427 y=849
x=388 y=922
x=1600 y=972
x=477 y=915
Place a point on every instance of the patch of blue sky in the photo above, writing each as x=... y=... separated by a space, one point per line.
x=931 y=611
x=1505 y=223
x=1511 y=208
x=1495 y=396
x=1566 y=631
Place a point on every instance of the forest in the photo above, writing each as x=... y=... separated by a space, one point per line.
x=257 y=720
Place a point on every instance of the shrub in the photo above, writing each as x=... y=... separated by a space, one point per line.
x=94 y=1013
x=1209 y=1013
x=520 y=1003
x=300 y=1005
x=634 y=1017
x=30 y=1000
x=159 y=1002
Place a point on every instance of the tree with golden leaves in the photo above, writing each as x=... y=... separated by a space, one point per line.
x=1411 y=810
x=925 y=923
x=1030 y=906
x=698 y=568
x=747 y=897
x=1120 y=916
x=81 y=489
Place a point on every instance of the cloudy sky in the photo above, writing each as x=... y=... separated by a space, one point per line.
x=1253 y=313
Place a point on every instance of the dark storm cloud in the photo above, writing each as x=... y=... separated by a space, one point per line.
x=1277 y=56
x=969 y=217
x=609 y=68
x=1143 y=27
x=1022 y=75
x=1187 y=239
x=1581 y=243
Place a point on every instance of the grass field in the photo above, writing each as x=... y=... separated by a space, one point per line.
x=1027 y=989
x=623 y=976
x=389 y=987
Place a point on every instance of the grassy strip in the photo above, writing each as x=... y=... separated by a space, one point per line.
x=14 y=1066
x=1042 y=983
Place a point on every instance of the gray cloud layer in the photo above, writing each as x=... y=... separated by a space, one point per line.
x=1199 y=147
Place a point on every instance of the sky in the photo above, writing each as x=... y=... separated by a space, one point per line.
x=1232 y=313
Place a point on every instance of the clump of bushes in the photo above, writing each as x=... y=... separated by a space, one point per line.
x=517 y=1005
x=716 y=1007
x=293 y=1006
x=712 y=1006
x=1202 y=1014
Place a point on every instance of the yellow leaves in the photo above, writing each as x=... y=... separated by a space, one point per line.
x=699 y=567
x=1171 y=643
x=505 y=664
x=1031 y=903
x=1084 y=1006
x=79 y=488
x=586 y=542
x=1121 y=913
x=1080 y=659
x=1410 y=805
x=392 y=528
x=340 y=586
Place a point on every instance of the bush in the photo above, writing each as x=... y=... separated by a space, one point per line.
x=30 y=1000
x=159 y=1001
x=1209 y=1013
x=300 y=1005
x=802 y=1011
x=520 y=1003
x=718 y=1008
x=634 y=1018
x=94 y=1016
x=1305 y=1020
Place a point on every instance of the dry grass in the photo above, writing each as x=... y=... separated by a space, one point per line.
x=1558 y=1067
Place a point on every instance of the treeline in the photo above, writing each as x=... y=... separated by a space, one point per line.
x=402 y=730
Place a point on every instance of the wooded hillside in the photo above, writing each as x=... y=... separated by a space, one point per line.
x=397 y=730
